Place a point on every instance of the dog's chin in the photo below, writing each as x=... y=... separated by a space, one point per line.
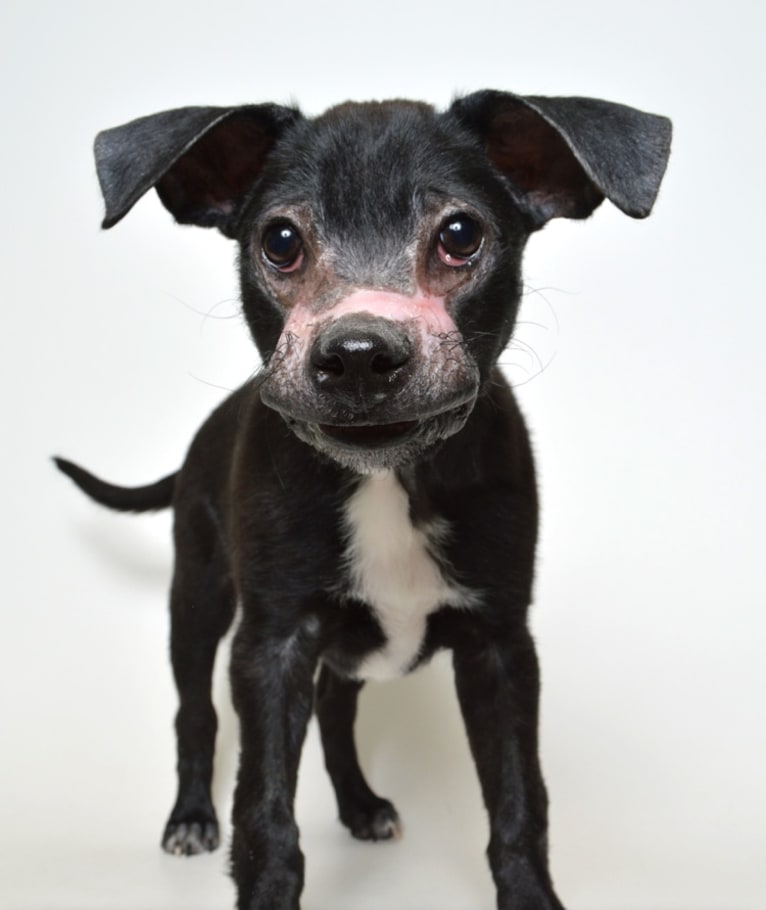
x=370 y=448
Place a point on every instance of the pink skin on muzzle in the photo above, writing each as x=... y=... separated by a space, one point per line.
x=440 y=376
x=429 y=313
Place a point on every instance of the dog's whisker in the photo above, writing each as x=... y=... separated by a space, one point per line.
x=209 y=314
x=543 y=366
x=450 y=340
x=537 y=325
x=212 y=385
x=516 y=344
x=530 y=291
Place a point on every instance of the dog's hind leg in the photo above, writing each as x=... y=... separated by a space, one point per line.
x=202 y=604
x=366 y=815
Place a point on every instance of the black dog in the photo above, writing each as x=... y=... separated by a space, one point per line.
x=369 y=497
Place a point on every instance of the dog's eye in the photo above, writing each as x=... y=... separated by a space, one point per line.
x=459 y=239
x=282 y=246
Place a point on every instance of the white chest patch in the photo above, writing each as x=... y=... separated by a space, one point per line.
x=392 y=569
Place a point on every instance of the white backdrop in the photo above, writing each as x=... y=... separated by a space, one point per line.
x=647 y=420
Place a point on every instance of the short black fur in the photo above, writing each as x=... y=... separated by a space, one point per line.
x=406 y=398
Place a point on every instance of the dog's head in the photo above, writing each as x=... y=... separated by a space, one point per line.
x=380 y=243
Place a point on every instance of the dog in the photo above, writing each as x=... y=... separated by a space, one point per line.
x=369 y=496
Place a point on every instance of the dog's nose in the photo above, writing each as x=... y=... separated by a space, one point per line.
x=360 y=355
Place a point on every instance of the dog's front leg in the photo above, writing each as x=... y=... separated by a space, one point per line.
x=272 y=686
x=497 y=681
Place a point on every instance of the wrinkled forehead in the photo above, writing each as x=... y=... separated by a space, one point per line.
x=368 y=172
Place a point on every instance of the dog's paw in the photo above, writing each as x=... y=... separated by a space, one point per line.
x=380 y=822
x=190 y=838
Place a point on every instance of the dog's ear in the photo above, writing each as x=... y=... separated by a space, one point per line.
x=201 y=160
x=563 y=156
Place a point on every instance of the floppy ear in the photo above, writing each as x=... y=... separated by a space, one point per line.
x=562 y=156
x=201 y=160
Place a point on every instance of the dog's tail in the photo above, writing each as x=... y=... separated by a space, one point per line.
x=153 y=496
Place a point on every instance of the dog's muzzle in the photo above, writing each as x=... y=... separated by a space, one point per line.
x=369 y=390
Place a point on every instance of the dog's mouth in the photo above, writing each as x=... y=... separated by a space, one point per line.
x=369 y=447
x=373 y=436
